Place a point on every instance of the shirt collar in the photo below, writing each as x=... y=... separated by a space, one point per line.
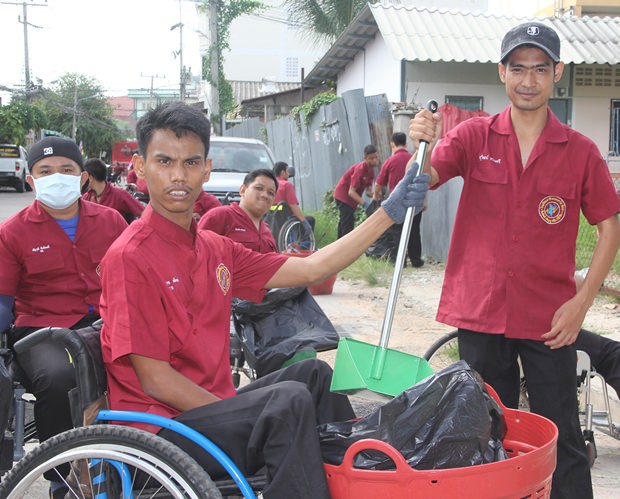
x=36 y=213
x=554 y=130
x=168 y=229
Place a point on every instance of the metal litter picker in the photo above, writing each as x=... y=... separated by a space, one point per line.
x=375 y=371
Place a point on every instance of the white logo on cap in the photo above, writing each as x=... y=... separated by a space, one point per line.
x=533 y=30
x=47 y=151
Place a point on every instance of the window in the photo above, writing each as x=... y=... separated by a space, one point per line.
x=291 y=68
x=614 y=134
x=467 y=102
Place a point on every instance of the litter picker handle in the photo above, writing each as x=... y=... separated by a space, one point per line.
x=402 y=247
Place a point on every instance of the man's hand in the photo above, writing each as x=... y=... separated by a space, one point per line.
x=307 y=226
x=410 y=191
x=425 y=126
x=566 y=324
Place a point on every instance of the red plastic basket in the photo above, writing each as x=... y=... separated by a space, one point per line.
x=324 y=287
x=530 y=441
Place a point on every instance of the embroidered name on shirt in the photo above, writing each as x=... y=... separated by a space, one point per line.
x=487 y=157
x=40 y=249
x=222 y=274
x=240 y=229
x=552 y=209
x=170 y=283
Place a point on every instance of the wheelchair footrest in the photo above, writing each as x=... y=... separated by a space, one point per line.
x=6 y=453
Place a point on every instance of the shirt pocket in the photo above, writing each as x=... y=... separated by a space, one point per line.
x=558 y=207
x=39 y=263
x=487 y=192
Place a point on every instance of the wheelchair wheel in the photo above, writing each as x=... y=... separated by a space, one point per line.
x=294 y=234
x=444 y=351
x=109 y=459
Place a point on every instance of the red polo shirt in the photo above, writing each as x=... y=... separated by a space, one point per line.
x=167 y=295
x=205 y=202
x=232 y=222
x=360 y=176
x=393 y=168
x=512 y=257
x=116 y=198
x=286 y=192
x=54 y=280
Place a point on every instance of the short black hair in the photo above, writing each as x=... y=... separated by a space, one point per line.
x=279 y=167
x=177 y=117
x=96 y=168
x=369 y=149
x=399 y=139
x=261 y=172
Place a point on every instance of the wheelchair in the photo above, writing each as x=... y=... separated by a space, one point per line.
x=445 y=351
x=109 y=460
x=290 y=234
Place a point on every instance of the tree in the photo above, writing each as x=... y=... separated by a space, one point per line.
x=227 y=12
x=17 y=119
x=323 y=20
x=77 y=107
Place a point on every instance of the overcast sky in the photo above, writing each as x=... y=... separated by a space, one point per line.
x=114 y=41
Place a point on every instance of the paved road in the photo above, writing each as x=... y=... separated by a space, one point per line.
x=11 y=202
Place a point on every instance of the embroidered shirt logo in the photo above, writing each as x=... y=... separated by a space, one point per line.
x=222 y=274
x=172 y=282
x=552 y=209
x=41 y=249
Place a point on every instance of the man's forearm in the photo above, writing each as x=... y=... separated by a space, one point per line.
x=297 y=212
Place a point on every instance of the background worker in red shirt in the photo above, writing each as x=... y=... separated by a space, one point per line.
x=286 y=193
x=205 y=202
x=167 y=291
x=243 y=221
x=101 y=191
x=392 y=171
x=49 y=274
x=509 y=283
x=348 y=192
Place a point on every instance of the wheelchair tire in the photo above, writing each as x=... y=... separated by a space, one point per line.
x=293 y=234
x=444 y=351
x=157 y=468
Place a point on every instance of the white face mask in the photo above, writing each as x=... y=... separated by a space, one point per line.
x=58 y=190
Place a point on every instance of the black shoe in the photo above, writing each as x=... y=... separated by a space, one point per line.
x=417 y=263
x=59 y=492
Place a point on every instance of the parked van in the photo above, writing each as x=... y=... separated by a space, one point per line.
x=13 y=167
x=232 y=159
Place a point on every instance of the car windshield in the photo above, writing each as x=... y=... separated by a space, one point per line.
x=238 y=157
x=9 y=152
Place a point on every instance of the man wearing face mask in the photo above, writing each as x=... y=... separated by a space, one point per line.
x=49 y=274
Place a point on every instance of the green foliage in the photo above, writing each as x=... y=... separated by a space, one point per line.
x=586 y=241
x=324 y=20
x=309 y=108
x=83 y=96
x=17 y=119
x=227 y=12
x=374 y=271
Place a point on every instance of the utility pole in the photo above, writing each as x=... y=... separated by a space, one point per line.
x=75 y=103
x=25 y=23
x=215 y=61
x=151 y=93
x=182 y=71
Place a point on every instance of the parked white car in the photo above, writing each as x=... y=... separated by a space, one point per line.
x=232 y=159
x=14 y=167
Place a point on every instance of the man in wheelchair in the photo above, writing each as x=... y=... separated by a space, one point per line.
x=49 y=273
x=166 y=299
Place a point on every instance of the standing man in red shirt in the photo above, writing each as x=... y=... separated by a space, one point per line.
x=243 y=221
x=49 y=274
x=392 y=171
x=509 y=284
x=101 y=191
x=348 y=192
x=167 y=291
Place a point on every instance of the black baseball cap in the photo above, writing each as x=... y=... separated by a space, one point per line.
x=55 y=146
x=532 y=33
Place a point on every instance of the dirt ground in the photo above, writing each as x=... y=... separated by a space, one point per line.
x=357 y=310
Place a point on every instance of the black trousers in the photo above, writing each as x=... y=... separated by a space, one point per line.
x=414 y=245
x=271 y=424
x=346 y=220
x=45 y=371
x=604 y=356
x=550 y=377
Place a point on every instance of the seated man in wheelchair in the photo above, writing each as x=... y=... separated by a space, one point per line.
x=49 y=273
x=286 y=193
x=166 y=299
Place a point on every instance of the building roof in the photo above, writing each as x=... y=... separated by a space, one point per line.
x=429 y=34
x=245 y=90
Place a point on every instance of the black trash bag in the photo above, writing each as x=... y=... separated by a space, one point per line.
x=287 y=321
x=387 y=244
x=445 y=421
